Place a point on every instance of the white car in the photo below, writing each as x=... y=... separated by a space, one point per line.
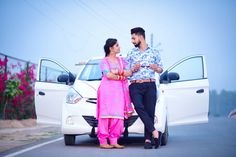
x=62 y=98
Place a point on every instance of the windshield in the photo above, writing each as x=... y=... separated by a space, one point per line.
x=91 y=71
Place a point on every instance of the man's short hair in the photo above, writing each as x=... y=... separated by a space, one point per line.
x=138 y=31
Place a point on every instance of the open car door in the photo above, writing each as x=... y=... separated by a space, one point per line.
x=53 y=81
x=186 y=90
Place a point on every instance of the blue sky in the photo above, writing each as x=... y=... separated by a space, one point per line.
x=71 y=31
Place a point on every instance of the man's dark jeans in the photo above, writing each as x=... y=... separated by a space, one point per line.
x=144 y=96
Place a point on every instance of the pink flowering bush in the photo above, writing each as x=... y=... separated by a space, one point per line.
x=17 y=90
x=3 y=79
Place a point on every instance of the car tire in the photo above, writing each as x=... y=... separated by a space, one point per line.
x=164 y=136
x=126 y=133
x=69 y=139
x=93 y=135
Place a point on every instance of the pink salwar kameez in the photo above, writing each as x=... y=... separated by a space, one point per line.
x=113 y=103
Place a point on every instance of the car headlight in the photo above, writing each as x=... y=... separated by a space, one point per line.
x=73 y=96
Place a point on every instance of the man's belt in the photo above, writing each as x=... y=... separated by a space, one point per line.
x=142 y=81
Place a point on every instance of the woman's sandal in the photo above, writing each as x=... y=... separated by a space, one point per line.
x=118 y=146
x=106 y=146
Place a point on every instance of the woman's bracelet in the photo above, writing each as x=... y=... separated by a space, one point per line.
x=120 y=77
x=121 y=72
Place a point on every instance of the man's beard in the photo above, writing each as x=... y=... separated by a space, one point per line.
x=138 y=44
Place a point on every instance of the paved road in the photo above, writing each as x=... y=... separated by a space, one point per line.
x=214 y=139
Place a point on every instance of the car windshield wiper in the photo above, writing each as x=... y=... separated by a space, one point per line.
x=97 y=79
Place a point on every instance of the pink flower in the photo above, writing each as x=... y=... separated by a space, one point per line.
x=13 y=66
x=22 y=111
x=22 y=88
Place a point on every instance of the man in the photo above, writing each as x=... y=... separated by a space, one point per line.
x=144 y=61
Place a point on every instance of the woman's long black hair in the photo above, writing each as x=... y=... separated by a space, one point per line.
x=109 y=43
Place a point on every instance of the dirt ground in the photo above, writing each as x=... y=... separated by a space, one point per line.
x=14 y=133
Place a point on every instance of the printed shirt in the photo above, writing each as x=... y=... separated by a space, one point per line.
x=149 y=56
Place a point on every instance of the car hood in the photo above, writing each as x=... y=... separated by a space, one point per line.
x=87 y=88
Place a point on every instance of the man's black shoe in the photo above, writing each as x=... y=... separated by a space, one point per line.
x=157 y=142
x=147 y=145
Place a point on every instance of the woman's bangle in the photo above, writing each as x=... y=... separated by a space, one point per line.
x=122 y=72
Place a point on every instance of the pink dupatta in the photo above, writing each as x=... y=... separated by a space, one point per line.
x=128 y=108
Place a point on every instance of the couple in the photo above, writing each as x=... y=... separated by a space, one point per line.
x=114 y=95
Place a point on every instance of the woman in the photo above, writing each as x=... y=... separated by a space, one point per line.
x=113 y=102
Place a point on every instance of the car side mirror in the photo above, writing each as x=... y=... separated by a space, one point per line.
x=65 y=78
x=172 y=76
x=71 y=78
x=168 y=77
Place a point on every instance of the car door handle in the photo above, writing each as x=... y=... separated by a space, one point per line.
x=41 y=93
x=200 y=91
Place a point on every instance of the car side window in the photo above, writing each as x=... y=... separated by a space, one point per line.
x=190 y=69
x=49 y=72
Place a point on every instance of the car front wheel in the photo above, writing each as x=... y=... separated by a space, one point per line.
x=69 y=139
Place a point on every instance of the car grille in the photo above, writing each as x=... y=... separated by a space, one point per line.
x=92 y=100
x=93 y=122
